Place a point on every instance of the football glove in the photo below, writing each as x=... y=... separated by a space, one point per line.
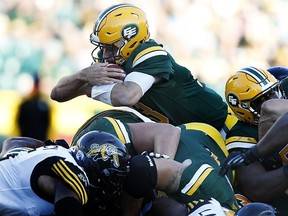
x=236 y=159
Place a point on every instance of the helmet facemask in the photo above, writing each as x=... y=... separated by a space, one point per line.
x=272 y=93
x=114 y=50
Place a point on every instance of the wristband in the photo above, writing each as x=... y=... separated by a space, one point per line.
x=102 y=93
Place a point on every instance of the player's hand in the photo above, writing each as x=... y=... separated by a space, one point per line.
x=236 y=159
x=101 y=74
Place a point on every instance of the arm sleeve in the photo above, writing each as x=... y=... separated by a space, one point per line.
x=57 y=167
x=142 y=177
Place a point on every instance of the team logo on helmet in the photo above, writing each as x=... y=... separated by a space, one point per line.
x=233 y=99
x=106 y=152
x=130 y=31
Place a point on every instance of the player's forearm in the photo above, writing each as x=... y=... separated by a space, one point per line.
x=125 y=94
x=271 y=110
x=276 y=138
x=266 y=185
x=69 y=87
x=167 y=141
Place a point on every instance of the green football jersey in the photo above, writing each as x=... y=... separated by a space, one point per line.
x=97 y=123
x=179 y=97
x=197 y=144
x=241 y=137
x=201 y=179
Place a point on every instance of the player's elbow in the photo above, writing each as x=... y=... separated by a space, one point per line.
x=54 y=95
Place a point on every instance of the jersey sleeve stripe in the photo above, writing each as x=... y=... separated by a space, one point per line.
x=240 y=142
x=237 y=145
x=197 y=179
x=148 y=53
x=120 y=130
x=62 y=170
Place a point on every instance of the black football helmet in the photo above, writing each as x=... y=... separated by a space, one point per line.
x=104 y=158
x=281 y=74
x=257 y=209
x=278 y=72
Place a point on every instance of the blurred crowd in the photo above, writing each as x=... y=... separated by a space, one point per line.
x=212 y=38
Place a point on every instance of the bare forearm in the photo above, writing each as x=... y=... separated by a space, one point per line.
x=276 y=138
x=157 y=137
x=69 y=87
x=271 y=110
x=263 y=186
x=167 y=142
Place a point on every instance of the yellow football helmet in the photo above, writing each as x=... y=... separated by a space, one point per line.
x=247 y=89
x=120 y=28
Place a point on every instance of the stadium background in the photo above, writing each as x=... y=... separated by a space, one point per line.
x=212 y=38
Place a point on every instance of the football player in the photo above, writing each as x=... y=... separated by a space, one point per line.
x=155 y=84
x=271 y=110
x=42 y=181
x=262 y=180
x=53 y=180
x=183 y=181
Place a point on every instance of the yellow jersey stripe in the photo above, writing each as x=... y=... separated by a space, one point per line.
x=79 y=184
x=231 y=119
x=158 y=50
x=197 y=179
x=240 y=142
x=211 y=132
x=61 y=169
x=117 y=129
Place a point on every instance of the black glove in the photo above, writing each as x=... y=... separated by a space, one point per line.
x=236 y=159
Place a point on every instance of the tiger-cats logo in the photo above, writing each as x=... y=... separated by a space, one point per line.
x=106 y=151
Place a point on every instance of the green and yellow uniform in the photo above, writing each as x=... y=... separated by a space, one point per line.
x=178 y=97
x=199 y=142
x=204 y=145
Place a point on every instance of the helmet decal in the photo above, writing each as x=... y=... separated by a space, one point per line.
x=233 y=99
x=256 y=74
x=109 y=10
x=79 y=155
x=106 y=151
x=129 y=31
